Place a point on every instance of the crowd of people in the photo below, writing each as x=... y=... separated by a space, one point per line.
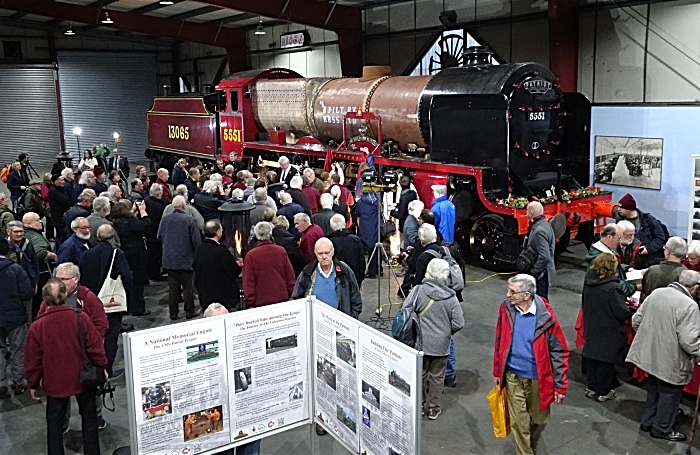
x=68 y=233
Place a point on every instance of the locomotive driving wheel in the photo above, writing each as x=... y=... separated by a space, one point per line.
x=486 y=242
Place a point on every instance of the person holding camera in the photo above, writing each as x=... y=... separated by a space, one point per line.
x=53 y=360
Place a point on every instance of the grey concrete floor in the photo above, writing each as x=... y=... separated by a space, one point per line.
x=577 y=426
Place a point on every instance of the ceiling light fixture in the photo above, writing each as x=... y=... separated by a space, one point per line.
x=107 y=19
x=260 y=30
x=166 y=2
x=70 y=31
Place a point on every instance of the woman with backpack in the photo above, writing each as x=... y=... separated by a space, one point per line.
x=439 y=317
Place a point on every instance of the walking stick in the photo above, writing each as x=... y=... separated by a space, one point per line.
x=692 y=425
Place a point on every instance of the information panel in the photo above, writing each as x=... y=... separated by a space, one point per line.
x=180 y=388
x=335 y=384
x=389 y=375
x=268 y=364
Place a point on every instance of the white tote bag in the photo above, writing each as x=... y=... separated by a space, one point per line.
x=112 y=293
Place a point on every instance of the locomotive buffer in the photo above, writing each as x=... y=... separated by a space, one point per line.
x=380 y=251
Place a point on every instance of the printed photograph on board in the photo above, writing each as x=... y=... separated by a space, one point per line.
x=243 y=379
x=396 y=379
x=325 y=371
x=345 y=349
x=203 y=351
x=370 y=394
x=280 y=343
x=629 y=161
x=155 y=400
x=346 y=416
x=202 y=423
x=296 y=392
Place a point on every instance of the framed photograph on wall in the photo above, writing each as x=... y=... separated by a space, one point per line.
x=629 y=161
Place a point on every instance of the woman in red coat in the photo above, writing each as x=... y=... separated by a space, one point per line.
x=53 y=360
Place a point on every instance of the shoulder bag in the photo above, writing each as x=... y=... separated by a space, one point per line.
x=91 y=376
x=112 y=294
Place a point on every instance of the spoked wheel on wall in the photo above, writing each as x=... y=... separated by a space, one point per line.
x=486 y=242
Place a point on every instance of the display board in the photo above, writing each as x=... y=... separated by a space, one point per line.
x=204 y=386
x=694 y=211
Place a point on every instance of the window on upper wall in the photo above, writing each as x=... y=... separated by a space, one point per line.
x=446 y=52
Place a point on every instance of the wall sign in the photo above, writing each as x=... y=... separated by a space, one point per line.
x=295 y=39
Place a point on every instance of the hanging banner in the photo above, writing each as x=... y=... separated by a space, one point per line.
x=268 y=364
x=390 y=375
x=179 y=388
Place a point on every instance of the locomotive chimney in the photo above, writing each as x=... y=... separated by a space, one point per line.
x=477 y=56
x=165 y=90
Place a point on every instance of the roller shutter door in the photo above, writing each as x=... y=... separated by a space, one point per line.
x=104 y=92
x=29 y=115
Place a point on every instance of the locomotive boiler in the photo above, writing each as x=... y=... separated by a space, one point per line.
x=497 y=135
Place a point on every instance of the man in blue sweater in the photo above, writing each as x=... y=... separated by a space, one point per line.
x=444 y=211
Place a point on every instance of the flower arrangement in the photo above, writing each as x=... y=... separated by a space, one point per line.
x=520 y=202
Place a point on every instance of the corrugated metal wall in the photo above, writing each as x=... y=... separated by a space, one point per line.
x=28 y=115
x=104 y=92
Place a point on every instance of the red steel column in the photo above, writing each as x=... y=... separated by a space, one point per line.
x=563 y=42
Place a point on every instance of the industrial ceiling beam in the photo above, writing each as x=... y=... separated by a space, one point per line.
x=164 y=27
x=232 y=19
x=32 y=25
x=195 y=12
x=312 y=13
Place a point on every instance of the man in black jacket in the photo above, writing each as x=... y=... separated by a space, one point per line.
x=286 y=172
x=120 y=164
x=59 y=203
x=82 y=208
x=406 y=197
x=348 y=247
x=215 y=270
x=155 y=205
x=16 y=183
x=94 y=265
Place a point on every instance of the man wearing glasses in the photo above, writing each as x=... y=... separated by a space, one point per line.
x=530 y=360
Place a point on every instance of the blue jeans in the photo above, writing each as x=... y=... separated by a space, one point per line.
x=252 y=448
x=451 y=370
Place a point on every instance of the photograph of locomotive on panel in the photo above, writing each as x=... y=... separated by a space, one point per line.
x=629 y=161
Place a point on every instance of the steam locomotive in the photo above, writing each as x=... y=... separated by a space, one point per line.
x=497 y=135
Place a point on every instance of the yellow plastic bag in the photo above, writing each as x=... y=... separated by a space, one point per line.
x=499 y=411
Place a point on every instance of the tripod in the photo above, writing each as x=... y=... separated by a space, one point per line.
x=381 y=253
x=31 y=170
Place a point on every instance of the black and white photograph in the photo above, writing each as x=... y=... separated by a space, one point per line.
x=280 y=343
x=345 y=349
x=629 y=161
x=370 y=394
x=325 y=371
x=296 y=392
x=243 y=379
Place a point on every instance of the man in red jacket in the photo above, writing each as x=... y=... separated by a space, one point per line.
x=310 y=233
x=268 y=276
x=530 y=359
x=53 y=360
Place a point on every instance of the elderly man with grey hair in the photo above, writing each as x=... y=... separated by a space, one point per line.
x=310 y=233
x=100 y=211
x=322 y=218
x=208 y=201
x=181 y=190
x=610 y=238
x=530 y=360
x=180 y=236
x=330 y=280
x=661 y=275
x=155 y=205
x=289 y=210
x=162 y=180
x=441 y=317
x=313 y=180
x=286 y=171
x=667 y=339
x=298 y=195
x=540 y=244
x=260 y=202
x=348 y=247
x=268 y=276
x=629 y=246
x=216 y=270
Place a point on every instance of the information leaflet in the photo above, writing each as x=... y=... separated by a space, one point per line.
x=268 y=368
x=335 y=384
x=389 y=386
x=180 y=388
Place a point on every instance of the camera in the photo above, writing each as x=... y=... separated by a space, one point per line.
x=390 y=178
